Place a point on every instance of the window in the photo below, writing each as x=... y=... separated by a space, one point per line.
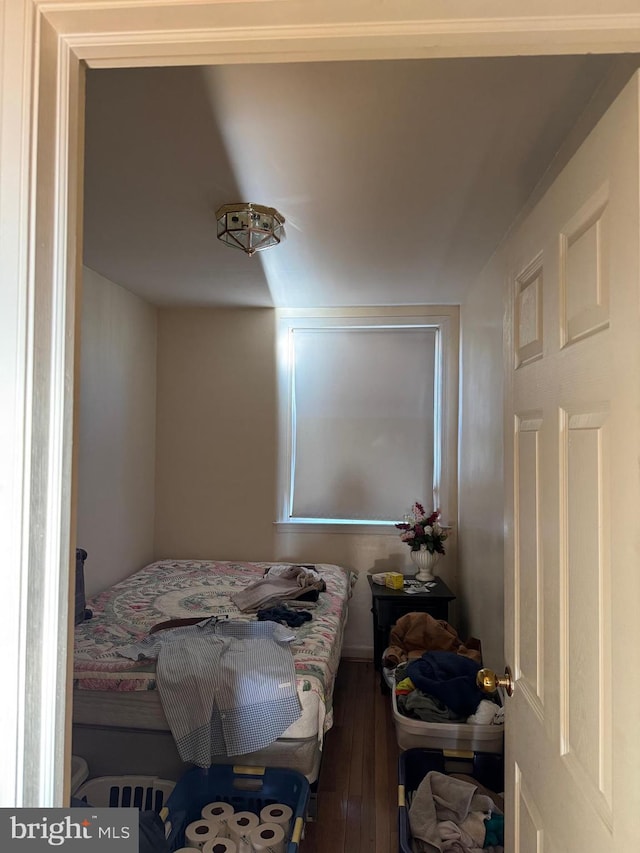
x=361 y=406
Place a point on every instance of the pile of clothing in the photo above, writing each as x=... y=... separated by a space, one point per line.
x=302 y=583
x=229 y=687
x=440 y=687
x=226 y=687
x=284 y=615
x=454 y=814
x=417 y=633
x=435 y=673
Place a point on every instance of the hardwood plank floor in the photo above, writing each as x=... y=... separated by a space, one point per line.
x=357 y=800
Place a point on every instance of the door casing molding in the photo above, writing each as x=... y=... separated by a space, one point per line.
x=44 y=48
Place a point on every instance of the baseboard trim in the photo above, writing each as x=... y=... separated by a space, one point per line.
x=357 y=653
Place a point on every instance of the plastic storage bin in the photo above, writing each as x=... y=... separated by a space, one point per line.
x=245 y=788
x=471 y=737
x=142 y=792
x=413 y=766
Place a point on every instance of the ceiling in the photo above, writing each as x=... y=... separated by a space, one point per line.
x=397 y=179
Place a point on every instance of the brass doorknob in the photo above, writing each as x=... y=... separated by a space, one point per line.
x=488 y=681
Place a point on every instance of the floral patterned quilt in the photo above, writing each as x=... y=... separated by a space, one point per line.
x=170 y=589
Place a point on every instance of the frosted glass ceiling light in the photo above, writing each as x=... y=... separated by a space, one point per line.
x=250 y=227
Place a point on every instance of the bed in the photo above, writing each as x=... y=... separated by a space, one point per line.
x=118 y=722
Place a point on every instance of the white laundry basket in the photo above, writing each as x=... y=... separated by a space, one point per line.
x=142 y=792
x=79 y=772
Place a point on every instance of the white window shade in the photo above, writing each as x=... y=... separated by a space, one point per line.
x=362 y=421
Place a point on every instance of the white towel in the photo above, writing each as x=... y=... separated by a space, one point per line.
x=486 y=714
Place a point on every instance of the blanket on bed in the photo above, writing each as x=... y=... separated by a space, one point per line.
x=177 y=589
x=227 y=688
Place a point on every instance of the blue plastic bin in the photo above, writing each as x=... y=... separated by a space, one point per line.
x=245 y=788
x=414 y=764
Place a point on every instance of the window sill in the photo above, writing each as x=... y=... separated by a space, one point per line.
x=353 y=528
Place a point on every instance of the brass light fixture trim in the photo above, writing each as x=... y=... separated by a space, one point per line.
x=250 y=227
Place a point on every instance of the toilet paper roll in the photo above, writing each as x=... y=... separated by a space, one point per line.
x=277 y=813
x=201 y=831
x=218 y=811
x=240 y=827
x=220 y=845
x=268 y=838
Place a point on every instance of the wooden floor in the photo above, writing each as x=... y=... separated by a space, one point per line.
x=357 y=800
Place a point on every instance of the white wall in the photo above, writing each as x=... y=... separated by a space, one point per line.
x=216 y=434
x=117 y=426
x=481 y=512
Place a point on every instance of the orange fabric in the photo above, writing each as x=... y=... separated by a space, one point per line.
x=417 y=633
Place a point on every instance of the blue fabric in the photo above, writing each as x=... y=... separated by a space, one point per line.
x=449 y=677
x=285 y=616
x=495 y=831
x=151 y=838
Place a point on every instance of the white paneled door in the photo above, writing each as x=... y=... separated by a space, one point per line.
x=573 y=518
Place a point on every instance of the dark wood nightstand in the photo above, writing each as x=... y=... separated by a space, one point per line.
x=388 y=605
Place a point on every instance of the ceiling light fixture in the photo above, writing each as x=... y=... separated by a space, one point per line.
x=250 y=227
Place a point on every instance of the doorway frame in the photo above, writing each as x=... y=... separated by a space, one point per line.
x=44 y=47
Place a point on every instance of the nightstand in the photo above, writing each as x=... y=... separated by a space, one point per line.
x=388 y=605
